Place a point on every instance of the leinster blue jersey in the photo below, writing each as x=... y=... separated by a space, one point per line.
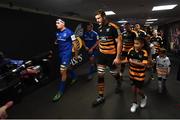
x=90 y=38
x=65 y=39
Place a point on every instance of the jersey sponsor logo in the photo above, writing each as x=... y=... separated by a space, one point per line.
x=76 y=61
x=108 y=29
x=103 y=38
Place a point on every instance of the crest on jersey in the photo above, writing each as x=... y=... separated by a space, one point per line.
x=64 y=35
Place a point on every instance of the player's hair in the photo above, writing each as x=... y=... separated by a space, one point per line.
x=90 y=24
x=144 y=41
x=140 y=39
x=127 y=23
x=101 y=12
x=162 y=50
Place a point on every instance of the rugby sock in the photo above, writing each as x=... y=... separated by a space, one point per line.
x=100 y=86
x=62 y=86
x=72 y=74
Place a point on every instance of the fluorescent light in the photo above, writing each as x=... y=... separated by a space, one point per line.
x=164 y=7
x=149 y=20
x=110 y=13
x=122 y=21
x=146 y=25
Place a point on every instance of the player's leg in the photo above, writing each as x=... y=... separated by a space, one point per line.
x=160 y=84
x=134 y=105
x=92 y=66
x=114 y=72
x=123 y=65
x=65 y=62
x=101 y=67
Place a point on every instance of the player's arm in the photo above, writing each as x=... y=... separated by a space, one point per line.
x=169 y=66
x=56 y=42
x=84 y=44
x=119 y=45
x=96 y=44
x=161 y=43
x=126 y=60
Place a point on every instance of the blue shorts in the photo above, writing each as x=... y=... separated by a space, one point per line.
x=93 y=54
x=65 y=58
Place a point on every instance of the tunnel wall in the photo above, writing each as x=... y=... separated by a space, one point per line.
x=25 y=34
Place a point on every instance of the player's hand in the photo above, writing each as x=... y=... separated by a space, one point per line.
x=117 y=61
x=90 y=50
x=56 y=43
x=87 y=49
x=3 y=113
x=130 y=60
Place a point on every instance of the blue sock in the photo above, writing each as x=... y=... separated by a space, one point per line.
x=72 y=74
x=62 y=86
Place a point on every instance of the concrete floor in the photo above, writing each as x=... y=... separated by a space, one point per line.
x=76 y=103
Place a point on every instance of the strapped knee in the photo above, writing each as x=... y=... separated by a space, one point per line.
x=63 y=67
x=101 y=70
x=114 y=73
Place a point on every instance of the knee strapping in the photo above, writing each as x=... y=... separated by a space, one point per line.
x=101 y=70
x=63 y=67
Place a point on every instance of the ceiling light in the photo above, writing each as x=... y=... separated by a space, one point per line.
x=164 y=7
x=149 y=20
x=110 y=13
x=146 y=25
x=122 y=21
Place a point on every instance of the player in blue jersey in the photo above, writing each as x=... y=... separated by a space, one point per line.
x=90 y=38
x=65 y=41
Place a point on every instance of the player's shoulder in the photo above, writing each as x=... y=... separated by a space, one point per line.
x=134 y=32
x=131 y=49
x=113 y=25
x=159 y=37
x=158 y=57
x=69 y=31
x=142 y=31
x=167 y=58
x=145 y=52
x=94 y=32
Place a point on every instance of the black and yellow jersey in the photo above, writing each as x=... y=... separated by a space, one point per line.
x=157 y=41
x=137 y=72
x=141 y=33
x=107 y=35
x=128 y=39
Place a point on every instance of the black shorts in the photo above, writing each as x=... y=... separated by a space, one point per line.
x=124 y=54
x=154 y=56
x=138 y=84
x=106 y=59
